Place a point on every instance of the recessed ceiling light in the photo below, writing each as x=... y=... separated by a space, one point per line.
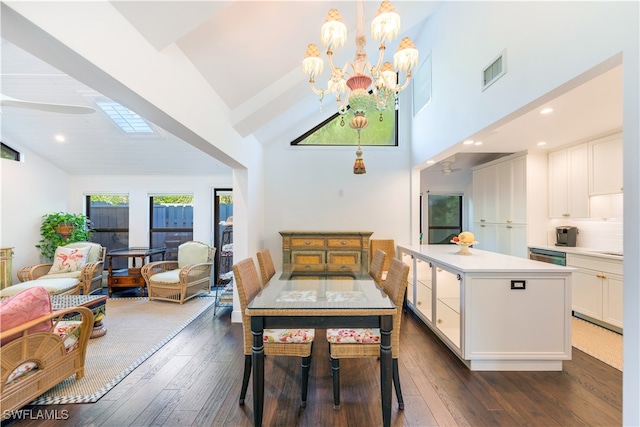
x=60 y=138
x=547 y=110
x=541 y=143
x=430 y=162
x=468 y=142
x=477 y=143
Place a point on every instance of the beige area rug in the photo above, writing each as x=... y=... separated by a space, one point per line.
x=598 y=342
x=136 y=328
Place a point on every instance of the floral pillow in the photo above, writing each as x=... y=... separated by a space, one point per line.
x=67 y=260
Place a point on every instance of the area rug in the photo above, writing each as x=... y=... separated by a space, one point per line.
x=597 y=342
x=136 y=328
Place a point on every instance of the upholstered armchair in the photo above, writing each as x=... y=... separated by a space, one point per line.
x=181 y=280
x=89 y=273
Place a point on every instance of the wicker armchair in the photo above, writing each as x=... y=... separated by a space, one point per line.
x=181 y=280
x=267 y=269
x=376 y=266
x=90 y=276
x=356 y=343
x=47 y=350
x=277 y=342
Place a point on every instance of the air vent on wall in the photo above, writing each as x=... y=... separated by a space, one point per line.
x=496 y=69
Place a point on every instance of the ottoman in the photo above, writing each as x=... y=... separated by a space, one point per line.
x=53 y=286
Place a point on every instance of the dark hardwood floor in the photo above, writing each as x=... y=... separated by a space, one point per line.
x=195 y=380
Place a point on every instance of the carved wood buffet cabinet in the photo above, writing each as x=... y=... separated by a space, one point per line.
x=326 y=252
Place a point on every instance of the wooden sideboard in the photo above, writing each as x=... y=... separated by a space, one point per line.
x=326 y=252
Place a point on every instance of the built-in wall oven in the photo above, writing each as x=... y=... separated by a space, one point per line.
x=548 y=255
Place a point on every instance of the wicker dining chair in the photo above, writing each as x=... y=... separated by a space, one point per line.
x=376 y=266
x=277 y=342
x=365 y=342
x=267 y=269
x=388 y=246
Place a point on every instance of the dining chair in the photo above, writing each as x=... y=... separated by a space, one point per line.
x=267 y=269
x=365 y=342
x=277 y=342
x=376 y=266
x=388 y=246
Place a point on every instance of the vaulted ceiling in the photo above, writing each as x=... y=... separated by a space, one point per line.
x=250 y=53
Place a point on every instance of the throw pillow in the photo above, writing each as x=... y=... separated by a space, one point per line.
x=67 y=260
x=21 y=308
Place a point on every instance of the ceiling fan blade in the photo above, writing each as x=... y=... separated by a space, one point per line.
x=7 y=101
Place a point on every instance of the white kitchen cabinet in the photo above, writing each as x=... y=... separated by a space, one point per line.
x=597 y=288
x=424 y=300
x=419 y=294
x=447 y=305
x=484 y=303
x=509 y=203
x=511 y=239
x=569 y=182
x=605 y=164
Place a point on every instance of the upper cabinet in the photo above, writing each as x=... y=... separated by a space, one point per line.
x=569 y=183
x=499 y=192
x=507 y=211
x=577 y=172
x=605 y=162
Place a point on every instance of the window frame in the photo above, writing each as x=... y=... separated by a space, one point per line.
x=430 y=227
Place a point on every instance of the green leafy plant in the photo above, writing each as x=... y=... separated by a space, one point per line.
x=80 y=231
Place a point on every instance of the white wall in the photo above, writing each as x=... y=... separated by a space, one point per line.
x=314 y=188
x=541 y=55
x=30 y=189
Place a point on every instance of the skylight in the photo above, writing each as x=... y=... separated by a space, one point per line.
x=126 y=119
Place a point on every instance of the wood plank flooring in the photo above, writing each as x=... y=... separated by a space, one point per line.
x=195 y=380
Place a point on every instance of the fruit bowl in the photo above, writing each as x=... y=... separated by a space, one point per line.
x=464 y=247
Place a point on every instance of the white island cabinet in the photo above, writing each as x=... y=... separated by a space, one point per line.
x=495 y=312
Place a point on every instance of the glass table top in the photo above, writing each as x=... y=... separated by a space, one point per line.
x=330 y=293
x=136 y=251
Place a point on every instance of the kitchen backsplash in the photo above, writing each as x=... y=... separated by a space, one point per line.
x=603 y=231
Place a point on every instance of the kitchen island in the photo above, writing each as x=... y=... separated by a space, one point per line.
x=495 y=312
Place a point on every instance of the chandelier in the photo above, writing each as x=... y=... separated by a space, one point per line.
x=358 y=85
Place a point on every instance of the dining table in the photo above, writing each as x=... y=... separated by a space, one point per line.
x=345 y=300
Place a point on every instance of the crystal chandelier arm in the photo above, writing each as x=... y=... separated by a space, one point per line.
x=375 y=71
x=406 y=83
x=319 y=92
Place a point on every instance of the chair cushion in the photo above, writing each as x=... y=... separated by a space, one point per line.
x=23 y=307
x=297 y=336
x=167 y=277
x=95 y=249
x=52 y=286
x=354 y=336
x=192 y=253
x=69 y=259
x=70 y=275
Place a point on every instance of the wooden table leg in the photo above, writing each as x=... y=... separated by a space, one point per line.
x=386 y=325
x=257 y=358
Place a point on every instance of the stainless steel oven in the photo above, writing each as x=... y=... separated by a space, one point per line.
x=547 y=255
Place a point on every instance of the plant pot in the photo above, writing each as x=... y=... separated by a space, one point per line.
x=64 y=230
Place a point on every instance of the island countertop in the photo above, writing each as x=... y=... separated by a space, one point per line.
x=482 y=261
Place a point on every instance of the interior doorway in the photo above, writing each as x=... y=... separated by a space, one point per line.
x=223 y=234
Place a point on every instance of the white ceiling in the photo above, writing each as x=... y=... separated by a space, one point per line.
x=225 y=41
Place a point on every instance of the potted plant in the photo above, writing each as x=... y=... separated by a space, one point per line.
x=61 y=228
